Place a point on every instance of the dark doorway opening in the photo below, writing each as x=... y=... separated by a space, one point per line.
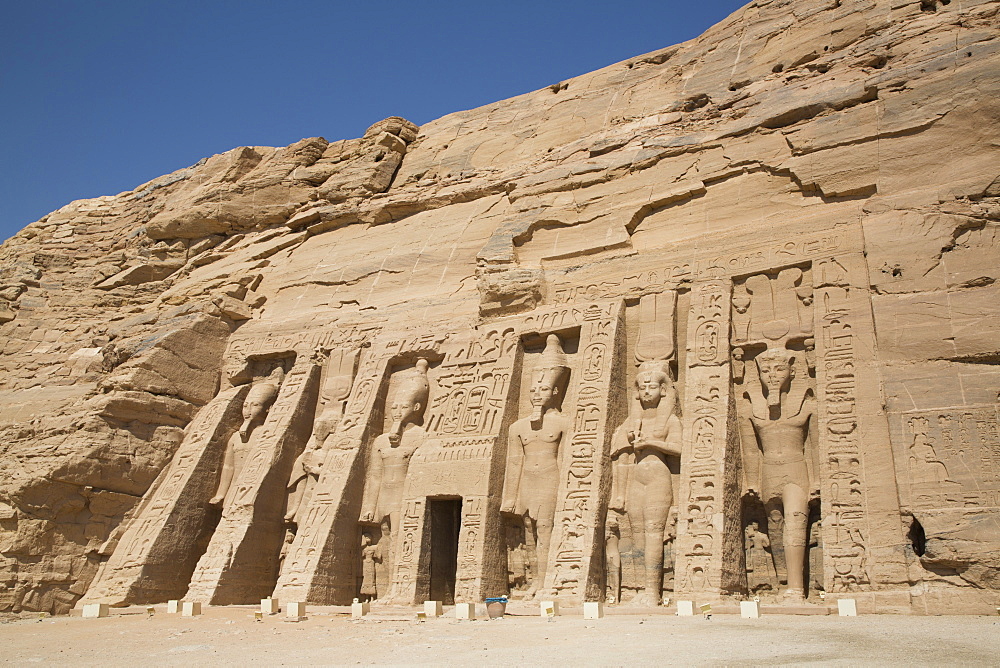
x=446 y=520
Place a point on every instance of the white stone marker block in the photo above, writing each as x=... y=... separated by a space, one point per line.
x=593 y=610
x=95 y=610
x=432 y=608
x=749 y=610
x=190 y=609
x=359 y=610
x=847 y=607
x=548 y=608
x=465 y=611
x=173 y=607
x=295 y=610
x=685 y=608
x=269 y=606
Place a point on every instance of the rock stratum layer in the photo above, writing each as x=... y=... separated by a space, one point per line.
x=784 y=233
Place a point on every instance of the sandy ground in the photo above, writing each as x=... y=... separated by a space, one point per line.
x=231 y=636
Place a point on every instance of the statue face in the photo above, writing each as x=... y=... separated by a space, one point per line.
x=402 y=410
x=543 y=391
x=253 y=408
x=651 y=387
x=775 y=373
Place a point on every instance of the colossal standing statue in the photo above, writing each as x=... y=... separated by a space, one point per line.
x=390 y=453
x=784 y=421
x=653 y=435
x=535 y=448
x=258 y=401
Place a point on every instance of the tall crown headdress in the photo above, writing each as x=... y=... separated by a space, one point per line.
x=414 y=386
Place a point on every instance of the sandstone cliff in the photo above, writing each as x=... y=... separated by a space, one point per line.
x=790 y=130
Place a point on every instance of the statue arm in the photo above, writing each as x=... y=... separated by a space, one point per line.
x=512 y=479
x=670 y=445
x=620 y=442
x=750 y=448
x=299 y=467
x=373 y=484
x=563 y=448
x=812 y=447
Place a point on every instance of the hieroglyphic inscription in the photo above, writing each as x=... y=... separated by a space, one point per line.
x=454 y=450
x=705 y=409
x=408 y=561
x=656 y=275
x=470 y=549
x=951 y=457
x=843 y=490
x=576 y=519
x=242 y=347
x=471 y=399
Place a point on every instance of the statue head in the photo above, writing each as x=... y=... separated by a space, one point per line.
x=549 y=378
x=410 y=400
x=366 y=539
x=259 y=399
x=653 y=383
x=776 y=373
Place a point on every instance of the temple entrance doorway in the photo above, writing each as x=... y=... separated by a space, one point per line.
x=446 y=520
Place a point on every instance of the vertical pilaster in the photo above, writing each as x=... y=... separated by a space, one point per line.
x=707 y=487
x=576 y=560
x=862 y=529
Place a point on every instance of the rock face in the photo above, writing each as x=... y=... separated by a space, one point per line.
x=716 y=320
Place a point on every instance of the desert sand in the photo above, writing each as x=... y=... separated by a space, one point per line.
x=328 y=636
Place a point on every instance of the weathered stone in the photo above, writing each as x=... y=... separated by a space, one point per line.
x=717 y=321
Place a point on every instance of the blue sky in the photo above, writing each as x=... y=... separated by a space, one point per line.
x=99 y=96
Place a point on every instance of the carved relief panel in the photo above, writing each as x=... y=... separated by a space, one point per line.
x=951 y=458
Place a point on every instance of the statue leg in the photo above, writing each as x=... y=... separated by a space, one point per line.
x=796 y=506
x=543 y=532
x=614 y=566
x=536 y=563
x=659 y=495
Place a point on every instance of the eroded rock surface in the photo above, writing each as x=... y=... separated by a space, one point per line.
x=785 y=232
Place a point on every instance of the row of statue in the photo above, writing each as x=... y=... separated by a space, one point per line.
x=778 y=415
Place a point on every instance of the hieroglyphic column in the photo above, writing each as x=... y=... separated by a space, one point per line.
x=240 y=564
x=576 y=560
x=704 y=546
x=157 y=552
x=862 y=534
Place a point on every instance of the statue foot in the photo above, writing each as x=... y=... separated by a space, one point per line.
x=645 y=600
x=793 y=595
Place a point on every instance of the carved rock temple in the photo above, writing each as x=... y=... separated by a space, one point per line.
x=717 y=322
